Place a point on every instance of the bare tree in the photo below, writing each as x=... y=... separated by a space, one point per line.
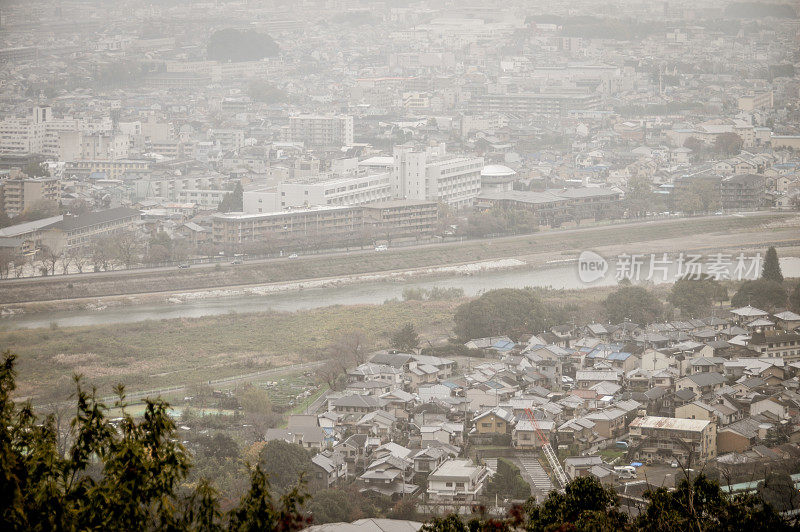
x=347 y=350
x=20 y=261
x=127 y=248
x=49 y=258
x=157 y=253
x=350 y=346
x=62 y=409
x=79 y=257
x=64 y=260
x=366 y=236
x=100 y=250
x=181 y=248
x=6 y=259
x=331 y=370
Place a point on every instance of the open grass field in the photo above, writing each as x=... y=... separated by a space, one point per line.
x=556 y=241
x=155 y=354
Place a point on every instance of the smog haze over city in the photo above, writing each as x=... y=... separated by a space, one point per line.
x=439 y=265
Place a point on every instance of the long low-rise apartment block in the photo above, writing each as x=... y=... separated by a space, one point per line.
x=79 y=231
x=394 y=219
x=556 y=206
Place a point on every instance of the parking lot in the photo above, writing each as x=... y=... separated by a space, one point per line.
x=655 y=475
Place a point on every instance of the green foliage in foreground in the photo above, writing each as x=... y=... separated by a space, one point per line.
x=132 y=476
x=128 y=477
x=586 y=505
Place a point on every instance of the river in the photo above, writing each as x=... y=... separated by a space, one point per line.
x=561 y=275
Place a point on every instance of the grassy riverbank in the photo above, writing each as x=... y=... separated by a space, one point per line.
x=555 y=242
x=154 y=354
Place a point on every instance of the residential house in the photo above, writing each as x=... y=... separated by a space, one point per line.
x=747 y=314
x=353 y=449
x=444 y=366
x=665 y=438
x=457 y=481
x=328 y=469
x=638 y=379
x=371 y=371
x=608 y=423
x=717 y=412
x=664 y=378
x=303 y=430
x=421 y=374
x=389 y=476
x=494 y=421
x=429 y=458
x=769 y=407
x=659 y=401
x=428 y=392
x=578 y=431
x=356 y=404
x=488 y=394
x=399 y=402
x=740 y=436
x=704 y=365
x=596 y=330
x=579 y=466
x=605 y=390
x=368 y=387
x=788 y=320
x=588 y=378
x=701 y=383
x=654 y=360
x=492 y=345
x=377 y=423
x=400 y=361
x=524 y=435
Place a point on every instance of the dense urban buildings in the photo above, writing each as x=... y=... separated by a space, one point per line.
x=242 y=166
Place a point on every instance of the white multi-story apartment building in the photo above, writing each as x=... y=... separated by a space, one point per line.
x=18 y=195
x=66 y=138
x=172 y=187
x=203 y=198
x=322 y=130
x=261 y=200
x=80 y=146
x=434 y=175
x=227 y=139
x=332 y=189
x=22 y=136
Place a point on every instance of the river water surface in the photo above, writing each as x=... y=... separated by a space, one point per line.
x=560 y=275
